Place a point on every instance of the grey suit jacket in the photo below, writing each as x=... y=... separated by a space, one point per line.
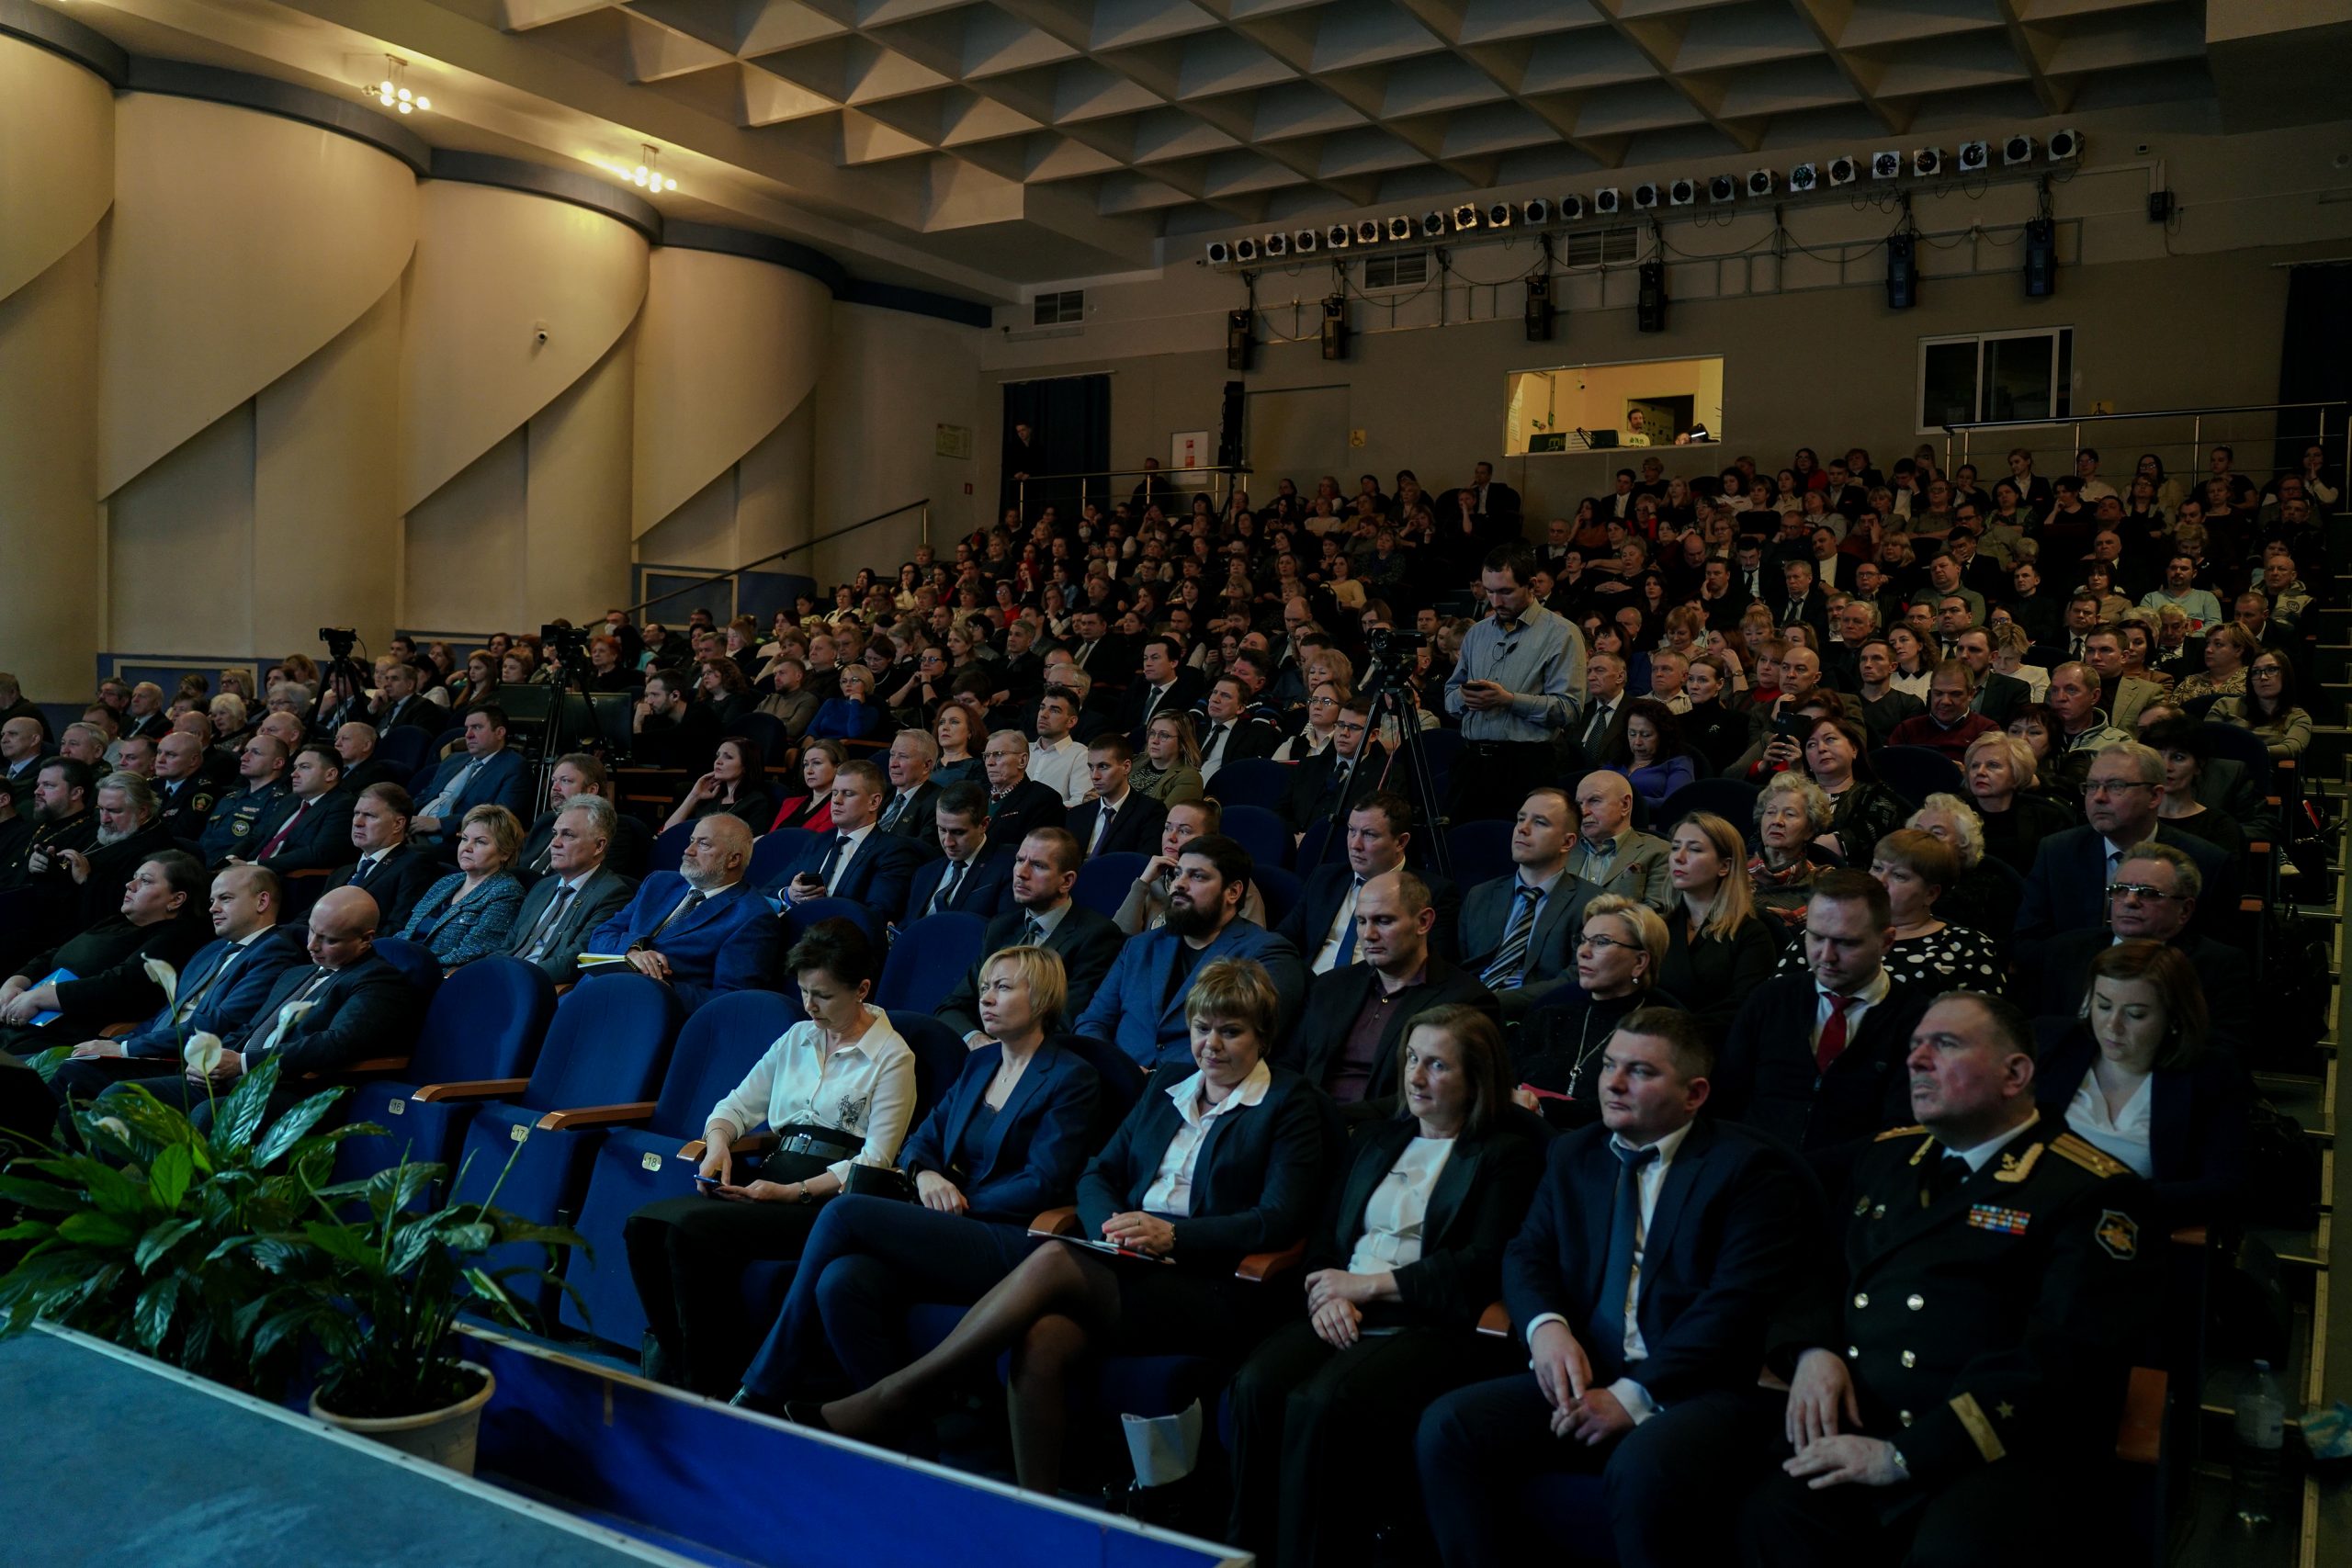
x=602 y=896
x=1551 y=951
x=1639 y=872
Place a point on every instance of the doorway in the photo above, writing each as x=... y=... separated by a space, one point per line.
x=1068 y=422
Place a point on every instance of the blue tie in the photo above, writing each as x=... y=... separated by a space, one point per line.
x=1346 y=954
x=1607 y=1330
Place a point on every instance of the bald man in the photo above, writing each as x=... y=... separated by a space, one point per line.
x=20 y=754
x=1607 y=853
x=700 y=930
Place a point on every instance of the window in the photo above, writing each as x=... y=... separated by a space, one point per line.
x=1592 y=247
x=1066 y=308
x=1395 y=269
x=1582 y=408
x=1996 y=375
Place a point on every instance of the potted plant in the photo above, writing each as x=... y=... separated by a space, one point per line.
x=229 y=1251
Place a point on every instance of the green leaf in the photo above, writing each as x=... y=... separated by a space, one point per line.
x=236 y=1119
x=88 y=1229
x=349 y=1243
x=151 y=1315
x=24 y=1191
x=27 y=1230
x=48 y=1061
x=168 y=1178
x=289 y=1129
x=160 y=1240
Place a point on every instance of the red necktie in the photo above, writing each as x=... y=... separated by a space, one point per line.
x=1832 y=1043
x=278 y=838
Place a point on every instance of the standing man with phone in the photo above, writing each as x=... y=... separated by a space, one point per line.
x=1516 y=689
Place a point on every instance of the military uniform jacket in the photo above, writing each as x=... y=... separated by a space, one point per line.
x=230 y=830
x=185 y=805
x=1998 y=1319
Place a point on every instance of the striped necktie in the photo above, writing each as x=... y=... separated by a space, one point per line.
x=1503 y=973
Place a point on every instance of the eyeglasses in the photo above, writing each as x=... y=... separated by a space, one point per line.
x=2112 y=787
x=1594 y=939
x=2137 y=890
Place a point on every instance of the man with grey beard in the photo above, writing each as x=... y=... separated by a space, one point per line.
x=130 y=831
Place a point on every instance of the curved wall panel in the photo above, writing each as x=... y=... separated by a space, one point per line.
x=728 y=349
x=49 y=513
x=492 y=265
x=241 y=245
x=56 y=186
x=575 y=547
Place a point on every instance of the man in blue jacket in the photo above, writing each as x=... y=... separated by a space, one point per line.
x=218 y=993
x=1643 y=1285
x=1140 y=1005
x=700 y=930
x=484 y=773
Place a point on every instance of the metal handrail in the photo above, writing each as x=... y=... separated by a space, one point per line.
x=1216 y=471
x=778 y=555
x=1963 y=430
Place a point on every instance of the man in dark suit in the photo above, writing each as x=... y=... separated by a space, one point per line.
x=573 y=775
x=857 y=860
x=486 y=772
x=1041 y=913
x=700 y=930
x=356 y=744
x=394 y=872
x=2067 y=889
x=1140 y=1006
x=672 y=729
x=579 y=893
x=1104 y=654
x=1321 y=925
x=398 y=703
x=2156 y=894
x=1484 y=498
x=1998 y=696
x=1018 y=804
x=1802 y=602
x=1643 y=1285
x=1340 y=776
x=1231 y=728
x=312 y=827
x=347 y=1005
x=1355 y=1015
x=974 y=874
x=217 y=993
x=1116 y=819
x=1815 y=1059
x=913 y=795
x=1165 y=684
x=1518 y=933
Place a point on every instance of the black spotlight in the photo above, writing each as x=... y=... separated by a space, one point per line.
x=1229 y=427
x=1649 y=307
x=1335 y=326
x=2040 y=258
x=1902 y=273
x=1238 y=340
x=1539 y=309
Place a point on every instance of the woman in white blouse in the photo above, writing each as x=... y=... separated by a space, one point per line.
x=837 y=1091
x=1408 y=1256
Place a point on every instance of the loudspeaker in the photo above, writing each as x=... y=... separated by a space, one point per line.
x=2040 y=258
x=1649 y=307
x=1238 y=340
x=1335 y=327
x=1539 y=310
x=1229 y=429
x=1902 y=273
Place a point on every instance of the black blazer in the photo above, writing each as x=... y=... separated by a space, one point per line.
x=2052 y=976
x=321 y=839
x=1476 y=1208
x=365 y=1010
x=1257 y=1183
x=2001 y=697
x=2067 y=889
x=1333 y=999
x=396 y=884
x=1310 y=920
x=2197 y=1129
x=1088 y=944
x=630 y=853
x=1309 y=799
x=985 y=889
x=919 y=822
x=1027 y=805
x=1135 y=826
x=1725 y=1242
x=1715 y=976
x=1137 y=708
x=1766 y=1077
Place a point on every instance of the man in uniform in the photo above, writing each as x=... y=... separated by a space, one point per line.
x=1996 y=1279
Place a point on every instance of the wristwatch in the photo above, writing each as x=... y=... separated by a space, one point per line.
x=1902 y=1464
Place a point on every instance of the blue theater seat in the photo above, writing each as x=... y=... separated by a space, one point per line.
x=1259 y=830
x=771 y=852
x=1479 y=852
x=1915 y=772
x=670 y=847
x=1103 y=880
x=798 y=918
x=1252 y=781
x=927 y=958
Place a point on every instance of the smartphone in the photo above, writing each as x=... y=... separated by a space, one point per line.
x=706 y=1182
x=1785 y=727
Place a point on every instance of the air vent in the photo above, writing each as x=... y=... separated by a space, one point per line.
x=1593 y=247
x=1066 y=308
x=1395 y=269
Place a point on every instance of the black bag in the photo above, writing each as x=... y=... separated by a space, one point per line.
x=2284 y=1167
x=880 y=1181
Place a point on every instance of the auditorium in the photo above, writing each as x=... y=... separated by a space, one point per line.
x=782 y=782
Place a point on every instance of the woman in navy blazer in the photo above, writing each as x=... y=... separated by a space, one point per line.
x=469 y=913
x=2136 y=1072
x=1208 y=1167
x=1408 y=1256
x=1006 y=1142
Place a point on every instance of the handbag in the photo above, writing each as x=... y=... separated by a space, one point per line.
x=880 y=1181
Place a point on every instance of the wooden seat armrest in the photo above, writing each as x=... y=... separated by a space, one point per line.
x=2249 y=905
x=1495 y=1322
x=116 y=1031
x=472 y=1088
x=752 y=1144
x=693 y=1151
x=2284 y=764
x=381 y=1065
x=2259 y=849
x=596 y=1115
x=1260 y=1266
x=1057 y=1221
x=2190 y=1235
x=309 y=873
x=2138 y=1437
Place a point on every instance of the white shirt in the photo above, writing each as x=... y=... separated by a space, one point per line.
x=856 y=837
x=1170 y=1192
x=1981 y=1156
x=1327 y=958
x=2126 y=1134
x=865 y=1090
x=1392 y=1216
x=1060 y=768
x=1856 y=1007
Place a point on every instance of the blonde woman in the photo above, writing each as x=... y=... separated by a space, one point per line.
x=1718 y=948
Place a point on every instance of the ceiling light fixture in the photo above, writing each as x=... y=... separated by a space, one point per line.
x=648 y=174
x=393 y=91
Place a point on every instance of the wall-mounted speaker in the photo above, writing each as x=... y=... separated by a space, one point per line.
x=1239 y=338
x=1649 y=305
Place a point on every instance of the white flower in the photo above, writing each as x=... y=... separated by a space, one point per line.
x=113 y=1126
x=202 y=1053
x=166 y=976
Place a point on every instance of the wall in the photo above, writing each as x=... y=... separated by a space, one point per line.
x=895 y=379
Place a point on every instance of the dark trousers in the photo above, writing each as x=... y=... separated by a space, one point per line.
x=867 y=1261
x=83 y=1082
x=1491 y=778
x=1480 y=1446
x=2007 y=1512
x=1320 y=1436
x=687 y=1257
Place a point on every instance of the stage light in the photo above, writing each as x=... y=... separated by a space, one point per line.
x=1762 y=182
x=1305 y=243
x=1844 y=170
x=1433 y=225
x=393 y=91
x=1681 y=193
x=1884 y=165
x=1645 y=197
x=1803 y=177
x=1500 y=216
x=2018 y=149
x=1571 y=208
x=1465 y=217
x=1244 y=250
x=2065 y=146
x=1927 y=161
x=1219 y=252
x=1338 y=237
x=1606 y=202
x=1400 y=228
x=1723 y=188
x=1537 y=213
x=1368 y=232
x=1975 y=157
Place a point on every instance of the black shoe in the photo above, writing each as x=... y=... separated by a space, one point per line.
x=654 y=1362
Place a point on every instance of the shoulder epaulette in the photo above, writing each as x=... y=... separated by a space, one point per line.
x=2066 y=1146
x=1894 y=1133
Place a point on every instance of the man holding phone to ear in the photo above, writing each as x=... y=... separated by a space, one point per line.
x=1518 y=688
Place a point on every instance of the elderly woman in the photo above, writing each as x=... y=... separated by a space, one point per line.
x=2002 y=774
x=1167 y=1186
x=2181 y=743
x=1647 y=747
x=1918 y=870
x=1560 y=1043
x=2268 y=707
x=1862 y=810
x=1170 y=771
x=1398 y=1274
x=1006 y=1142
x=1313 y=737
x=2137 y=1074
x=1792 y=815
x=838 y=1089
x=469 y=913
x=736 y=784
x=1718 y=949
x=855 y=714
x=2229 y=650
x=1982 y=900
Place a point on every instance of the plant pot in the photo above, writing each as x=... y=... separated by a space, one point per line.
x=444 y=1436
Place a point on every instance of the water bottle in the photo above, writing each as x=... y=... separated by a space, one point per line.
x=2258 y=1469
